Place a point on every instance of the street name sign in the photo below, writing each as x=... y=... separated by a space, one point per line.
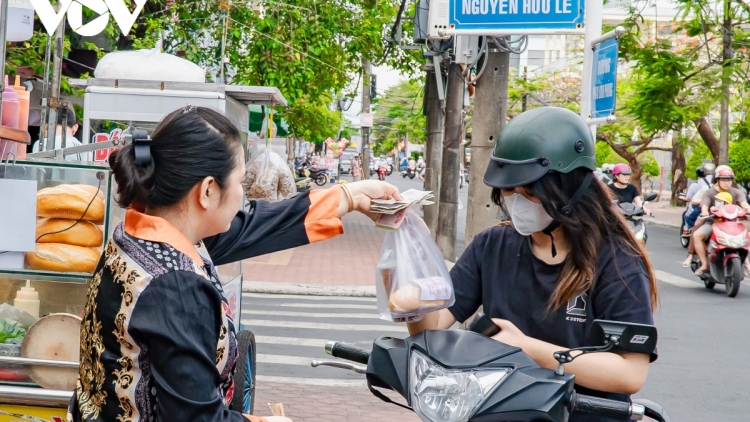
x=604 y=78
x=516 y=14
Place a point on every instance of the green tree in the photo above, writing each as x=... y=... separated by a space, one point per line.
x=399 y=117
x=739 y=160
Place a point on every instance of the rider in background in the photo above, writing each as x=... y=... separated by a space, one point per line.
x=623 y=190
x=702 y=230
x=704 y=176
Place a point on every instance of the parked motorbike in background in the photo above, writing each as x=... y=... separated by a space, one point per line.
x=727 y=249
x=458 y=375
x=634 y=216
x=319 y=176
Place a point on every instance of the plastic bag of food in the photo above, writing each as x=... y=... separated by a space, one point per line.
x=269 y=178
x=411 y=276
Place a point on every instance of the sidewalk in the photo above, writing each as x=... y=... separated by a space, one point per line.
x=308 y=403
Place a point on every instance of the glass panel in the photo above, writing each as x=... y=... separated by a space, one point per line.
x=49 y=174
x=54 y=297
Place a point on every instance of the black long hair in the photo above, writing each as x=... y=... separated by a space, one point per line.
x=190 y=144
x=594 y=223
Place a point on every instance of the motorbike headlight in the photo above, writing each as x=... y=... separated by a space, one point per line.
x=439 y=394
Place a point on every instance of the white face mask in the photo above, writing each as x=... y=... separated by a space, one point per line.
x=527 y=216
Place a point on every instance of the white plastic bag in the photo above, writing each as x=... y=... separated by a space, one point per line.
x=411 y=277
x=148 y=65
x=269 y=178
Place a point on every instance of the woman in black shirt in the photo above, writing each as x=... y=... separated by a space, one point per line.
x=568 y=258
x=158 y=335
x=623 y=190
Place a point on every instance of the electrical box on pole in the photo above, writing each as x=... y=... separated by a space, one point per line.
x=466 y=49
x=373 y=86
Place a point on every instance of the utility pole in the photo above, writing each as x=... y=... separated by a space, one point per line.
x=525 y=95
x=448 y=210
x=54 y=93
x=490 y=114
x=726 y=82
x=433 y=147
x=365 y=110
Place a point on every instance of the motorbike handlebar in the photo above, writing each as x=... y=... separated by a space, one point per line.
x=590 y=404
x=343 y=351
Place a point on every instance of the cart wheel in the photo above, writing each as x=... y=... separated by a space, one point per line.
x=244 y=374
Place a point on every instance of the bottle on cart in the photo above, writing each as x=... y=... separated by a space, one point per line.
x=27 y=300
x=23 y=116
x=9 y=118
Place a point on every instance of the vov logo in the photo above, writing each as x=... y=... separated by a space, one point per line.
x=74 y=10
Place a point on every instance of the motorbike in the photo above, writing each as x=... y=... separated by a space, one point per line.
x=634 y=216
x=409 y=172
x=727 y=249
x=382 y=170
x=302 y=183
x=389 y=170
x=686 y=229
x=319 y=176
x=460 y=375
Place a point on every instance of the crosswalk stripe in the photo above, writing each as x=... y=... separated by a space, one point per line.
x=308 y=342
x=322 y=382
x=283 y=359
x=310 y=314
x=324 y=306
x=676 y=280
x=322 y=326
x=275 y=296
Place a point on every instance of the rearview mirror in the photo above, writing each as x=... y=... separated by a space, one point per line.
x=651 y=197
x=626 y=336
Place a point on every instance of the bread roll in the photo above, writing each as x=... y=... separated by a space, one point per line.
x=69 y=201
x=85 y=233
x=405 y=299
x=63 y=258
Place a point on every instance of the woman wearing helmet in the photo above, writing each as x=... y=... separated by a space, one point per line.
x=568 y=257
x=724 y=177
x=623 y=190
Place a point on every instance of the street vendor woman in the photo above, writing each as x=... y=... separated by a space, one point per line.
x=157 y=342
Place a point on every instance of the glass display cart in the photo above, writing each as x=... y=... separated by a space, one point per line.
x=39 y=350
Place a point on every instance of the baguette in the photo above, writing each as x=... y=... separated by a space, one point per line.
x=85 y=233
x=63 y=258
x=69 y=201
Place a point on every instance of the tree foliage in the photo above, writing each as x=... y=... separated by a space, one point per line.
x=311 y=50
x=399 y=116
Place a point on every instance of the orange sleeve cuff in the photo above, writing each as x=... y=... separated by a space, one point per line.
x=255 y=418
x=322 y=220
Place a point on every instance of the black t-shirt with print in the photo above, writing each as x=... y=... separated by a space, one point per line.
x=499 y=271
x=625 y=195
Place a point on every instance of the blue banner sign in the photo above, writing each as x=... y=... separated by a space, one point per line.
x=604 y=75
x=516 y=14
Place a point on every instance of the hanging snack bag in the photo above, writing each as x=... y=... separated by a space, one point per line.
x=411 y=276
x=268 y=178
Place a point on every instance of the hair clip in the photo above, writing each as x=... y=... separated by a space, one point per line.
x=141 y=147
x=188 y=107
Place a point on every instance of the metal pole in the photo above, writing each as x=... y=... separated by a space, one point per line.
x=4 y=22
x=54 y=94
x=366 y=109
x=525 y=96
x=43 y=132
x=490 y=114
x=433 y=148
x=448 y=210
x=593 y=31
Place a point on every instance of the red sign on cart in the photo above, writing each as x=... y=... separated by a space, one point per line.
x=103 y=154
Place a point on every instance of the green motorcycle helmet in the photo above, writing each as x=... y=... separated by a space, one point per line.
x=537 y=142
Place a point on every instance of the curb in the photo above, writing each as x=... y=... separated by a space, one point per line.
x=272 y=287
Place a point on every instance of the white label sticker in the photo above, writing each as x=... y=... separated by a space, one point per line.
x=17 y=215
x=639 y=339
x=434 y=288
